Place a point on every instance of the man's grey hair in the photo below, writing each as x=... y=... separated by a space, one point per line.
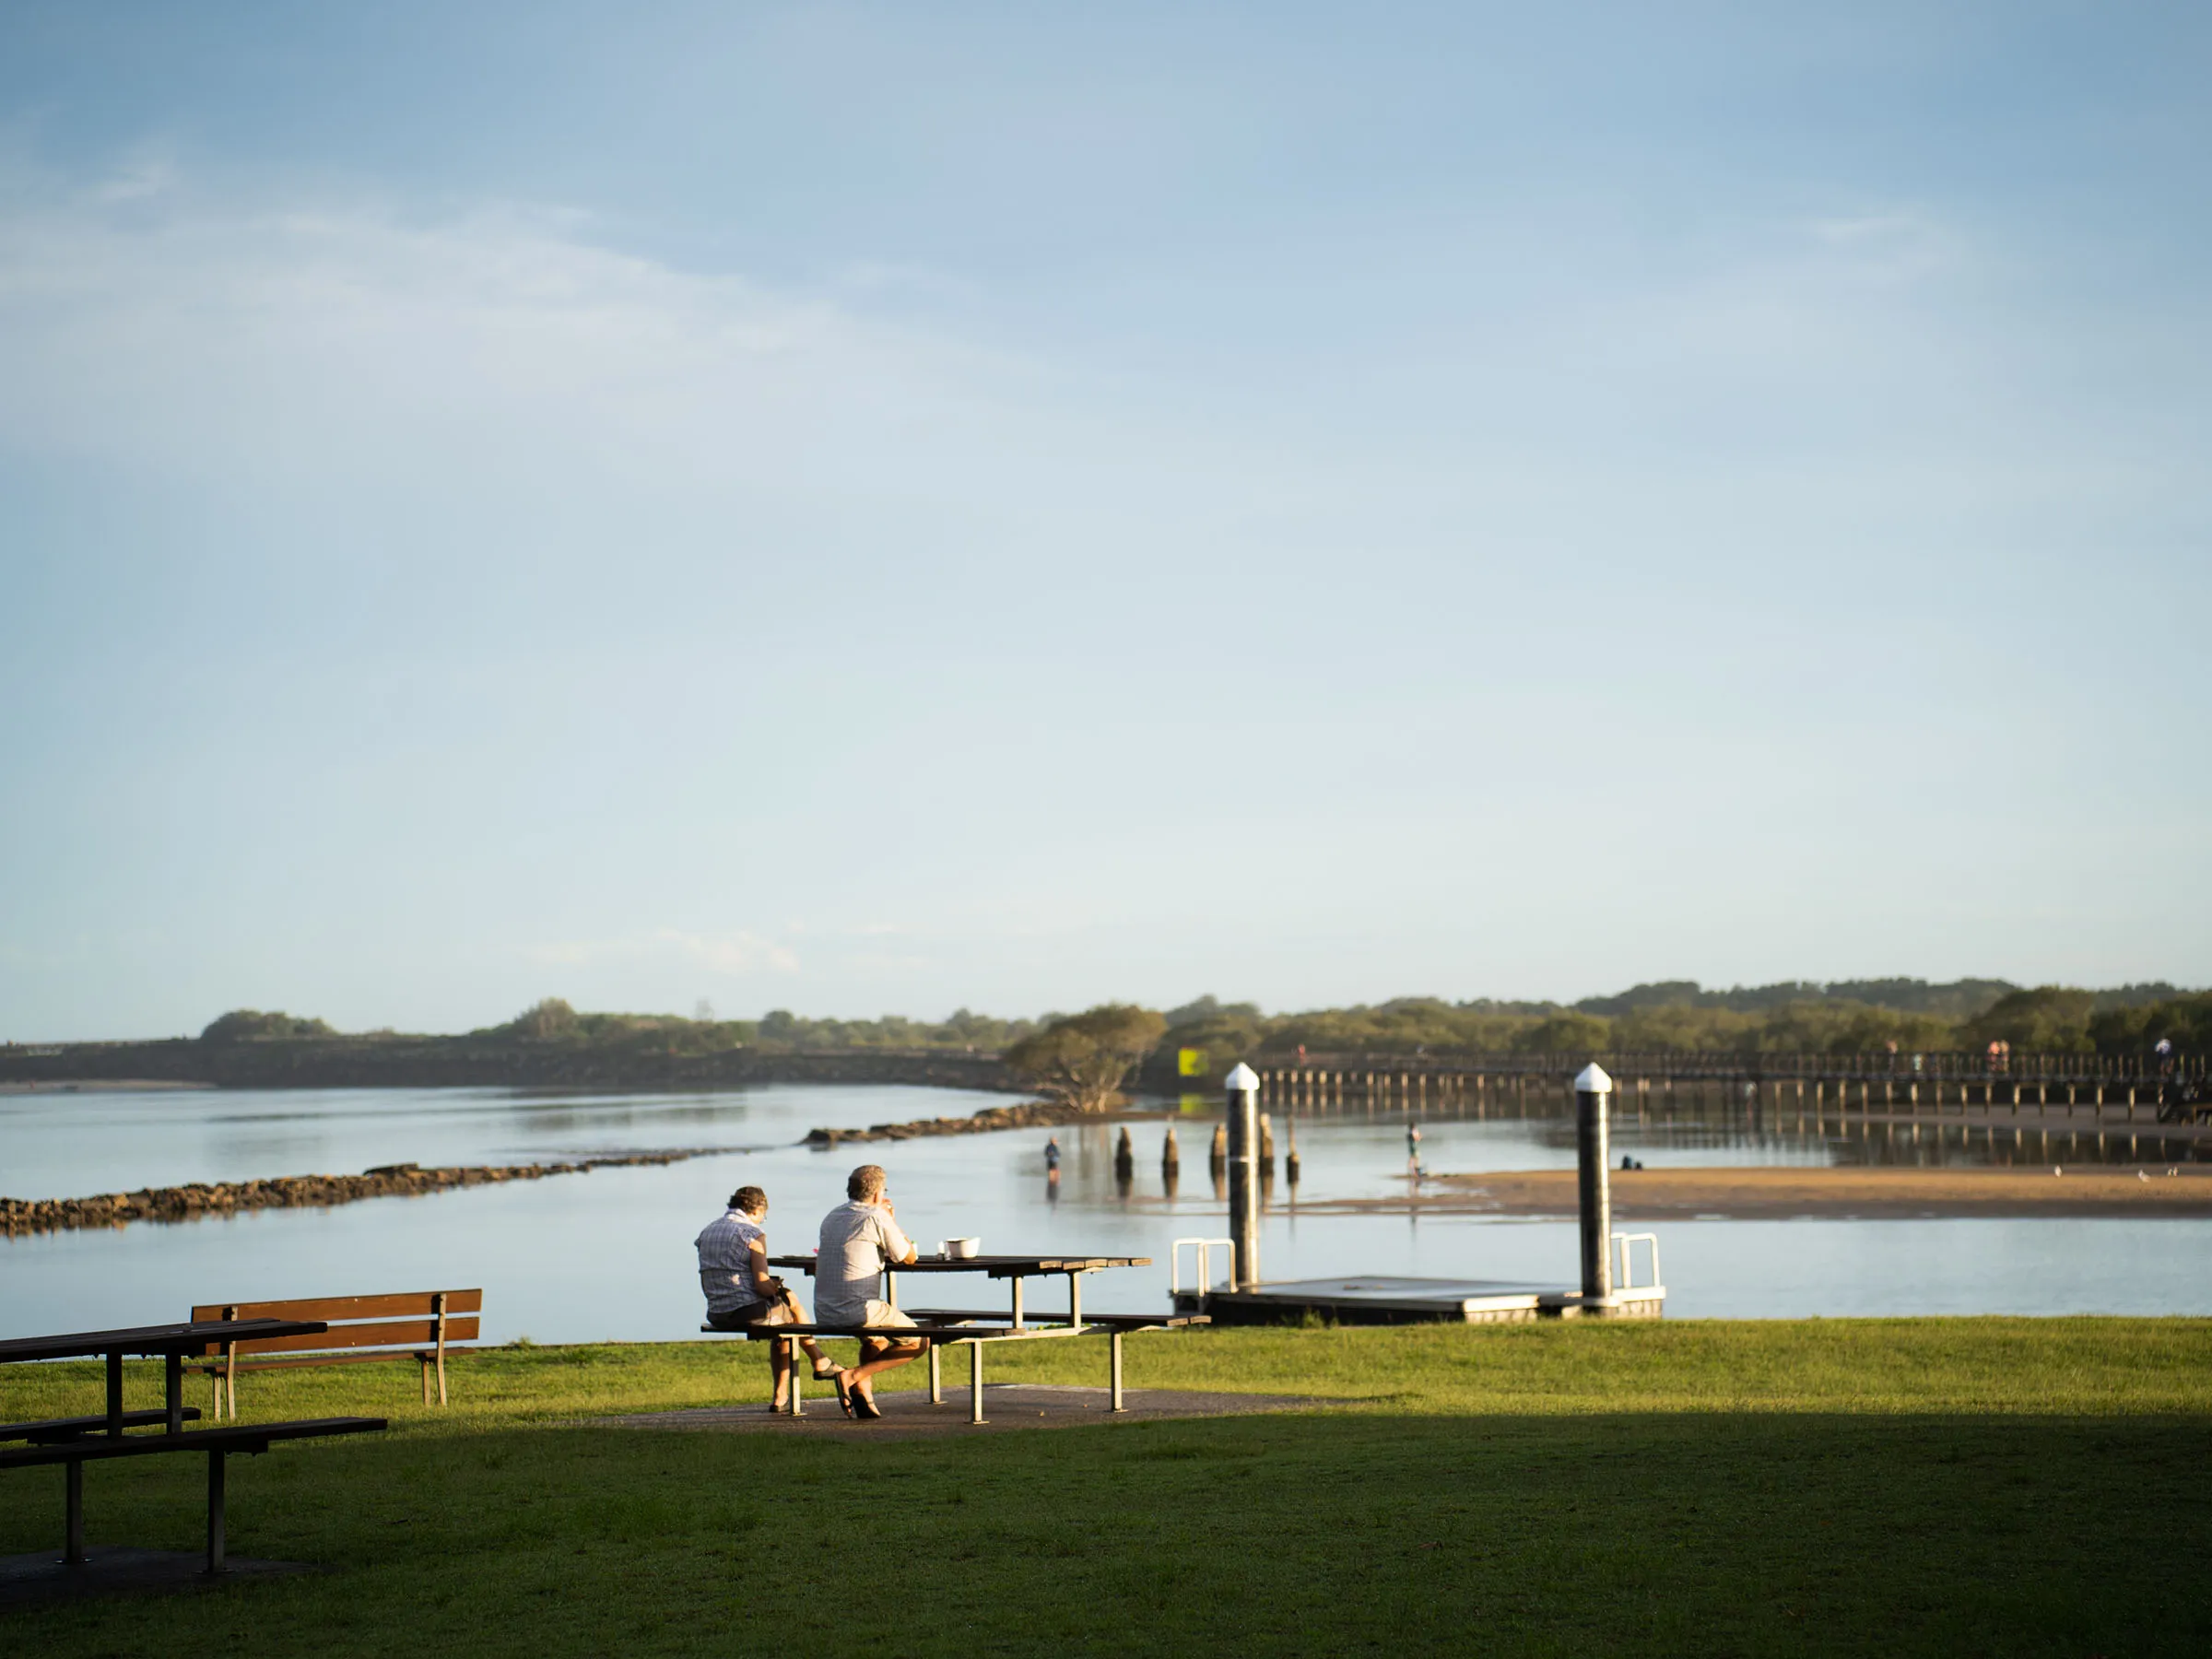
x=866 y=1183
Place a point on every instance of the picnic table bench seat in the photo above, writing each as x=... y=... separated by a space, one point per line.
x=65 y=1429
x=934 y=1327
x=422 y=1325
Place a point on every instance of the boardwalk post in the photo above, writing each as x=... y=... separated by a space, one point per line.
x=1245 y=1175
x=1592 y=1092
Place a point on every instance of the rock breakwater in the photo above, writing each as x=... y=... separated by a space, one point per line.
x=1030 y=1114
x=294 y=1191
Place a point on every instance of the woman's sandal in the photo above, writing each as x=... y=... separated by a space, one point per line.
x=825 y=1369
x=865 y=1405
x=844 y=1390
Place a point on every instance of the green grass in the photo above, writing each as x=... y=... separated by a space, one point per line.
x=1892 y=1487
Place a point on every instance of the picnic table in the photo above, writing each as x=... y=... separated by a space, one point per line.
x=975 y=1326
x=1016 y=1269
x=74 y=1442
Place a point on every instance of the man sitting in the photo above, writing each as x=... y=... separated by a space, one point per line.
x=860 y=1239
x=733 y=1271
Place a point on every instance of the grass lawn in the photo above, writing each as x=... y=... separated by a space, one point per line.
x=1892 y=1487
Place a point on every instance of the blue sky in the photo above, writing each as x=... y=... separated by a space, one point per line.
x=872 y=509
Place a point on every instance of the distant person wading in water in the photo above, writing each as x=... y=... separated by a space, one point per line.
x=1414 y=1166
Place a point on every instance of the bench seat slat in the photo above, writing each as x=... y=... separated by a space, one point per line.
x=53 y=1428
x=390 y=1333
x=216 y=1368
x=235 y=1437
x=398 y=1305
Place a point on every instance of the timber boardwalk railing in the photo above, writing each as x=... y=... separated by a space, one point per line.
x=1879 y=1082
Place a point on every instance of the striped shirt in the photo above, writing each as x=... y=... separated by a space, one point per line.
x=726 y=1262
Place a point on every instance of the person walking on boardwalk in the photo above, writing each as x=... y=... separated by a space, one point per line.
x=860 y=1240
x=741 y=1292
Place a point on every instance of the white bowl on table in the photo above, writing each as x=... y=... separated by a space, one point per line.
x=960 y=1250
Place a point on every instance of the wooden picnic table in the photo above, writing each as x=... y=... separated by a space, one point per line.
x=172 y=1342
x=74 y=1441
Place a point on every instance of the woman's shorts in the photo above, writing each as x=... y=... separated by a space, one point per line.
x=790 y=1311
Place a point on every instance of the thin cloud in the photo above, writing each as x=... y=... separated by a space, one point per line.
x=732 y=954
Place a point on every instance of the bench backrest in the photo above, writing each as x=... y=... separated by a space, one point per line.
x=410 y=1319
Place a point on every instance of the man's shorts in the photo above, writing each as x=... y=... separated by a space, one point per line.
x=879 y=1313
x=883 y=1314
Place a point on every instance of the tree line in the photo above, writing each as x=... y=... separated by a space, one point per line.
x=1087 y=1059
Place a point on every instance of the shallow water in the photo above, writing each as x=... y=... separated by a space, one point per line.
x=608 y=1254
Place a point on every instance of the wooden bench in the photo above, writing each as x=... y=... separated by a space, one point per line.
x=422 y=1325
x=936 y=1326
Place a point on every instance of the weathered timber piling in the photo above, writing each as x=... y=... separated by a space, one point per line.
x=1171 y=1160
x=1244 y=1135
x=1216 y=1155
x=1592 y=1094
x=1290 y=1158
x=1124 y=1157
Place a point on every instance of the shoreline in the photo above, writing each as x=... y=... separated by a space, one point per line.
x=1768 y=1193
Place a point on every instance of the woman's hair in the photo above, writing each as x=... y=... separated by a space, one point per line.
x=865 y=1182
x=750 y=1199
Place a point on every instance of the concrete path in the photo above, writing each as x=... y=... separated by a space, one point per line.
x=908 y=1415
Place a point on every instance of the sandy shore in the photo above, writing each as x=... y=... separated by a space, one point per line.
x=1772 y=1193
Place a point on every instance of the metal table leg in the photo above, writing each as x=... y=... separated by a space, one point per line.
x=173 y=1392
x=975 y=1379
x=791 y=1358
x=936 y=1383
x=215 y=1511
x=115 y=1394
x=1116 y=1369
x=73 y=1514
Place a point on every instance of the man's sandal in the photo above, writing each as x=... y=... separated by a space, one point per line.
x=826 y=1368
x=844 y=1390
x=865 y=1405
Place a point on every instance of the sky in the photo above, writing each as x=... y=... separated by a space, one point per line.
x=886 y=509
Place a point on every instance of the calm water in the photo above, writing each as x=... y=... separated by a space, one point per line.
x=607 y=1255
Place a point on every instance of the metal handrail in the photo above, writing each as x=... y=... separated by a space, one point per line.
x=1626 y=1241
x=1199 y=1247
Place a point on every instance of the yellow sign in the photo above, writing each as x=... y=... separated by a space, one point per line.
x=1190 y=1063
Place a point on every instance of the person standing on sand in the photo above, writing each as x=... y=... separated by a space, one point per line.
x=741 y=1292
x=860 y=1240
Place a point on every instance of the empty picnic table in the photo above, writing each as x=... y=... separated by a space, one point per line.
x=936 y=1326
x=74 y=1442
